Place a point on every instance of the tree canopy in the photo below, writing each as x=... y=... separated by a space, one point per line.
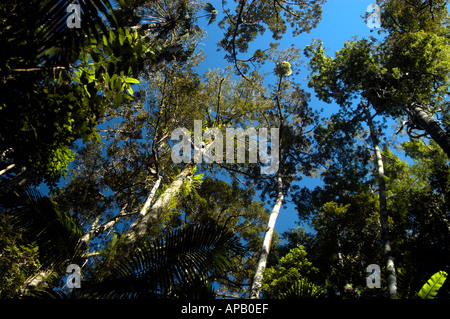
x=122 y=155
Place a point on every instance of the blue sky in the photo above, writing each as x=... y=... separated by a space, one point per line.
x=341 y=20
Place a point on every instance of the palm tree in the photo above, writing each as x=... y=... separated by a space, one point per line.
x=39 y=37
x=182 y=263
x=55 y=234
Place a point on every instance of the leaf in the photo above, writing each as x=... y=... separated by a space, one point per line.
x=87 y=91
x=55 y=232
x=131 y=80
x=130 y=90
x=302 y=289
x=431 y=287
x=117 y=99
x=121 y=37
x=178 y=263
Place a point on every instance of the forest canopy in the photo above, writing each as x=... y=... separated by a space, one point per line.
x=98 y=98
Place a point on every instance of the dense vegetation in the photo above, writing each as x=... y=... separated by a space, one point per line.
x=89 y=121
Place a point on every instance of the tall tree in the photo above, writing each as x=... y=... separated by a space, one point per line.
x=244 y=22
x=339 y=77
x=416 y=56
x=384 y=217
x=128 y=183
x=291 y=148
x=403 y=75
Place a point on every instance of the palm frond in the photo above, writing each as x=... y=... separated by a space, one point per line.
x=303 y=289
x=55 y=233
x=96 y=16
x=41 y=32
x=212 y=13
x=178 y=265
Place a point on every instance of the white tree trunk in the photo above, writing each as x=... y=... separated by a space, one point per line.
x=384 y=221
x=150 y=217
x=150 y=196
x=262 y=262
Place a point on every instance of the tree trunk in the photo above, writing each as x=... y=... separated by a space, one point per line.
x=430 y=125
x=262 y=262
x=150 y=197
x=141 y=225
x=390 y=267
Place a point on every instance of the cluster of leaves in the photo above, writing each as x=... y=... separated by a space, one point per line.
x=180 y=264
x=18 y=261
x=289 y=278
x=250 y=20
x=53 y=97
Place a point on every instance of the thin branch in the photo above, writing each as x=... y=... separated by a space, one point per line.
x=218 y=102
x=41 y=69
x=3 y=171
x=150 y=197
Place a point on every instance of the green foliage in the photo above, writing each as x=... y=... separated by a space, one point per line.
x=302 y=289
x=288 y=278
x=45 y=105
x=399 y=75
x=249 y=20
x=105 y=99
x=18 y=260
x=432 y=286
x=233 y=207
x=192 y=184
x=179 y=264
x=53 y=237
x=55 y=233
x=50 y=99
x=283 y=69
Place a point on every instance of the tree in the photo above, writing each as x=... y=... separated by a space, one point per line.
x=73 y=79
x=341 y=79
x=422 y=189
x=416 y=52
x=291 y=149
x=54 y=239
x=290 y=269
x=91 y=78
x=403 y=75
x=181 y=263
x=252 y=19
x=384 y=217
x=36 y=134
x=346 y=232
x=128 y=183
x=18 y=260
